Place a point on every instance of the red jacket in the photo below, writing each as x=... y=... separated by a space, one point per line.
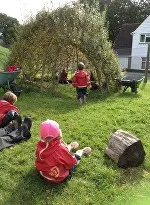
x=12 y=68
x=81 y=79
x=5 y=107
x=53 y=160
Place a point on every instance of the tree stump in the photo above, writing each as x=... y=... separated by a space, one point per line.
x=125 y=149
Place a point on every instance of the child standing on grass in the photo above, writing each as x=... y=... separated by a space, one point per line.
x=81 y=81
x=8 y=111
x=54 y=160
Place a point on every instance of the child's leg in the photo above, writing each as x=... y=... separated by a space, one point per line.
x=84 y=99
x=79 y=94
x=73 y=145
x=79 y=153
x=10 y=116
x=27 y=122
x=85 y=151
x=73 y=168
x=84 y=95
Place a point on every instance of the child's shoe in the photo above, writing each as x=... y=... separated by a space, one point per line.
x=74 y=145
x=86 y=151
x=27 y=123
x=80 y=101
x=84 y=99
x=17 y=121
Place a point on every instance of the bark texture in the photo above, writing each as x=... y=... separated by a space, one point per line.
x=125 y=149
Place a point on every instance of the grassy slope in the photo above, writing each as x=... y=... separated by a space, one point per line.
x=97 y=180
x=4 y=57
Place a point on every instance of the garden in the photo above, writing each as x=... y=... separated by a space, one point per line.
x=97 y=179
x=42 y=48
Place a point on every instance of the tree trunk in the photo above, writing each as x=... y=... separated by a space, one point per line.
x=99 y=78
x=42 y=78
x=125 y=149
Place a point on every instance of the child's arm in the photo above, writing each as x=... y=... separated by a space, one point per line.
x=72 y=145
x=74 y=83
x=66 y=159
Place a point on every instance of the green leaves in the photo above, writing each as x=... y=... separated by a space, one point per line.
x=8 y=26
x=125 y=11
x=59 y=39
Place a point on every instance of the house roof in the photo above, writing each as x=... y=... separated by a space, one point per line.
x=142 y=25
x=123 y=42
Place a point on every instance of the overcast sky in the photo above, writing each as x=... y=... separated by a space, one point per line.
x=22 y=9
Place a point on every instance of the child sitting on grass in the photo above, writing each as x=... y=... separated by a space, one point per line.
x=8 y=111
x=54 y=160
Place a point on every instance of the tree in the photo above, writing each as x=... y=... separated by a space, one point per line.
x=94 y=3
x=120 y=12
x=43 y=44
x=8 y=27
x=144 y=9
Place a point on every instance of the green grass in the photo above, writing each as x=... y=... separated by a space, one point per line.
x=97 y=180
x=4 y=57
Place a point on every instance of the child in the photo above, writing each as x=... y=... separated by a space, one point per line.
x=54 y=161
x=8 y=111
x=81 y=81
x=63 y=77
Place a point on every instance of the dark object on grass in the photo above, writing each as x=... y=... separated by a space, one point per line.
x=15 y=133
x=63 y=77
x=94 y=85
x=125 y=149
x=130 y=81
x=27 y=123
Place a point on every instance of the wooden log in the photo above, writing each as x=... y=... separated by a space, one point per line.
x=125 y=149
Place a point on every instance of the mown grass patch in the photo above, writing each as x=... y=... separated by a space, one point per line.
x=97 y=180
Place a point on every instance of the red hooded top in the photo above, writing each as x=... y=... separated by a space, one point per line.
x=53 y=160
x=5 y=106
x=12 y=68
x=81 y=79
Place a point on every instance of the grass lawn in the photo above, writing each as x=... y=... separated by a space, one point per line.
x=97 y=180
x=4 y=57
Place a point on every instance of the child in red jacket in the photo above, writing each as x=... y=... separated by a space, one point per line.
x=8 y=111
x=81 y=81
x=54 y=161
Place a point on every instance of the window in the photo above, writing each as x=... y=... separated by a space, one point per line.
x=144 y=38
x=144 y=64
x=147 y=38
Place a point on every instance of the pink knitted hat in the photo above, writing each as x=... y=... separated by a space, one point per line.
x=49 y=128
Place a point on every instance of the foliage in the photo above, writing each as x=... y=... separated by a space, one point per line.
x=125 y=11
x=8 y=27
x=100 y=4
x=58 y=39
x=4 y=57
x=97 y=180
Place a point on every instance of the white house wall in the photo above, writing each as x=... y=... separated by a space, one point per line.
x=139 y=50
x=136 y=62
x=123 y=60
